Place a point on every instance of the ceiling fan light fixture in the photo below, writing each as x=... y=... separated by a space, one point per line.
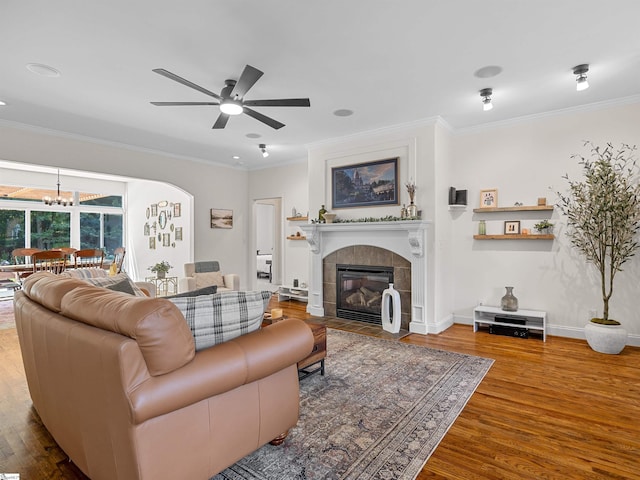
x=263 y=149
x=231 y=107
x=580 y=72
x=485 y=94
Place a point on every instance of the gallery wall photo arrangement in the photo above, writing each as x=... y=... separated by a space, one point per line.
x=489 y=198
x=221 y=218
x=365 y=184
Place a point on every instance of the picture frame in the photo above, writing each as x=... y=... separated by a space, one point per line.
x=489 y=198
x=152 y=243
x=147 y=229
x=177 y=210
x=221 y=218
x=154 y=209
x=166 y=239
x=512 y=227
x=178 y=234
x=365 y=184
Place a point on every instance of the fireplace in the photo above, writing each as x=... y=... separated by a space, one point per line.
x=359 y=291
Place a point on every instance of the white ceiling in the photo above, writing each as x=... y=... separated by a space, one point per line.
x=391 y=62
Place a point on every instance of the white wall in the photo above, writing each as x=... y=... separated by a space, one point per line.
x=524 y=161
x=212 y=186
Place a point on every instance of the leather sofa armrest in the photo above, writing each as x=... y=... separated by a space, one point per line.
x=222 y=368
x=232 y=281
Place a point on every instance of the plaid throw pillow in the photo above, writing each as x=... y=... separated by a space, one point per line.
x=108 y=281
x=223 y=316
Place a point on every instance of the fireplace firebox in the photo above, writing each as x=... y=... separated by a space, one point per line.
x=359 y=291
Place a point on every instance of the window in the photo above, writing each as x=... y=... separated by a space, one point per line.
x=89 y=230
x=12 y=231
x=50 y=229
x=101 y=230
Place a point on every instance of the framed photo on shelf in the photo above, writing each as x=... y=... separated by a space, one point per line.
x=512 y=227
x=489 y=198
x=365 y=184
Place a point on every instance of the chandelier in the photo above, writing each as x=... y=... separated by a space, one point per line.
x=59 y=199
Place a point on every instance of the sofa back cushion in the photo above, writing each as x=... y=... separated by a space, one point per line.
x=47 y=288
x=155 y=324
x=206 y=279
x=218 y=318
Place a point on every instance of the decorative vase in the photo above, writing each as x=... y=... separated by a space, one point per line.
x=509 y=302
x=482 y=228
x=161 y=274
x=391 y=312
x=609 y=339
x=412 y=210
x=321 y=213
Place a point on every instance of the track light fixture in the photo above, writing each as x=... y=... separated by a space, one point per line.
x=263 y=149
x=59 y=199
x=485 y=94
x=581 y=77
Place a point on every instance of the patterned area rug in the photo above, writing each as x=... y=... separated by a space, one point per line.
x=378 y=413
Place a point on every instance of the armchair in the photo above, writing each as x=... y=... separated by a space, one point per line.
x=204 y=274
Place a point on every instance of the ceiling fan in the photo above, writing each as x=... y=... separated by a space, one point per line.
x=231 y=99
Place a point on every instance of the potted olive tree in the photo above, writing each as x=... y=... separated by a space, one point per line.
x=603 y=219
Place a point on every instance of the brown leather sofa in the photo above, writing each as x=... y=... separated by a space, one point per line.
x=116 y=380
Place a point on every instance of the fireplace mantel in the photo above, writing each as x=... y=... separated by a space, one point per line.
x=406 y=238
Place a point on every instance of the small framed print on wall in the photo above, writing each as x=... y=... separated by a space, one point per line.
x=489 y=198
x=512 y=227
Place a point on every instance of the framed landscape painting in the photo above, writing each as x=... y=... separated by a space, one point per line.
x=365 y=184
x=221 y=218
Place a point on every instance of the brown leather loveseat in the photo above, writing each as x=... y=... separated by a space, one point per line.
x=116 y=380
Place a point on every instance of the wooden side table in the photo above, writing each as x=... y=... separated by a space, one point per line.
x=314 y=362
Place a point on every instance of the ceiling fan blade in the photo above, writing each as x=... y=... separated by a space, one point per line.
x=282 y=102
x=263 y=118
x=180 y=104
x=248 y=78
x=221 y=122
x=176 y=78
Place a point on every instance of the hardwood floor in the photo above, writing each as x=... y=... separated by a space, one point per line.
x=554 y=410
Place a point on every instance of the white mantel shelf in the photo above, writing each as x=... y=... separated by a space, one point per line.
x=407 y=238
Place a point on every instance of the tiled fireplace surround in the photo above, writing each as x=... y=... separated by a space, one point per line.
x=400 y=244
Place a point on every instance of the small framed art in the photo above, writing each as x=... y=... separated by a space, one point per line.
x=489 y=198
x=221 y=218
x=512 y=227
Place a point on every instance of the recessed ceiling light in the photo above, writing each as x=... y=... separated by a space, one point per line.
x=488 y=71
x=253 y=135
x=43 y=70
x=2 y=103
x=236 y=157
x=343 y=112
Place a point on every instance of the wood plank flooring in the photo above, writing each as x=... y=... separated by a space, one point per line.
x=554 y=410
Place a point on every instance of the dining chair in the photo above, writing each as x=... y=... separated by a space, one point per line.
x=54 y=261
x=118 y=258
x=68 y=251
x=22 y=256
x=89 y=258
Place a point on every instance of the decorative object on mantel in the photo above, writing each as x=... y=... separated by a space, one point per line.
x=412 y=209
x=161 y=268
x=509 y=302
x=321 y=213
x=329 y=217
x=603 y=219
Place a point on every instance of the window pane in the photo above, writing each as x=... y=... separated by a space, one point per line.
x=89 y=230
x=11 y=233
x=112 y=233
x=50 y=229
x=106 y=201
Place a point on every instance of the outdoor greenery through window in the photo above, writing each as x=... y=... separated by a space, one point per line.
x=12 y=231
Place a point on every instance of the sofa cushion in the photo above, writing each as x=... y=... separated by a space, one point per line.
x=217 y=318
x=115 y=279
x=124 y=286
x=155 y=324
x=47 y=288
x=209 y=278
x=210 y=290
x=85 y=273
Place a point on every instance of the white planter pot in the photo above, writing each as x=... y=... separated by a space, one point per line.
x=609 y=339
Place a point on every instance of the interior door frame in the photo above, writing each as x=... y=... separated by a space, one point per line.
x=277 y=265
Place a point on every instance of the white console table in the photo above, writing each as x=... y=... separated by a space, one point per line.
x=293 y=293
x=533 y=319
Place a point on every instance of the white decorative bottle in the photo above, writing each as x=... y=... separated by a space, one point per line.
x=391 y=313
